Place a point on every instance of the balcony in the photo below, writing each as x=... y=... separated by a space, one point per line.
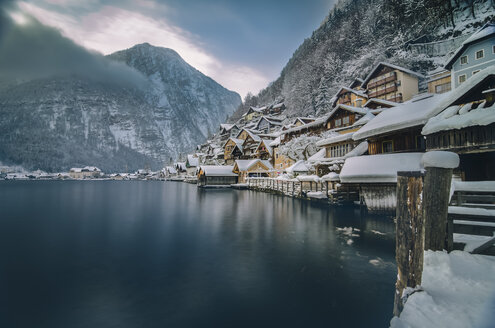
x=382 y=92
x=375 y=84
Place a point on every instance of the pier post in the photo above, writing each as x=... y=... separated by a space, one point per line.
x=436 y=197
x=409 y=235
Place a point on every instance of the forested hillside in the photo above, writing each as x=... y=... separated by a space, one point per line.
x=358 y=34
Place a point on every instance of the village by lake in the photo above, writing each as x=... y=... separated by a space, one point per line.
x=85 y=254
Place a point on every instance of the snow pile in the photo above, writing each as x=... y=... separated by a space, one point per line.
x=298 y=167
x=316 y=195
x=458 y=291
x=443 y=159
x=332 y=176
x=319 y=156
x=308 y=178
x=457 y=117
x=486 y=186
x=379 y=168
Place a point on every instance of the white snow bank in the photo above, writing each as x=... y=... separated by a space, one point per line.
x=316 y=194
x=472 y=241
x=379 y=168
x=443 y=159
x=459 y=291
x=332 y=176
x=308 y=178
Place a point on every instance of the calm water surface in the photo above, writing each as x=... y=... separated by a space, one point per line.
x=165 y=254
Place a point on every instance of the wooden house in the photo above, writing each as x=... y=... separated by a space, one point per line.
x=250 y=145
x=280 y=162
x=252 y=168
x=268 y=124
x=376 y=103
x=392 y=82
x=216 y=176
x=228 y=130
x=192 y=163
x=298 y=121
x=439 y=82
x=252 y=113
x=351 y=97
x=86 y=172
x=356 y=84
x=233 y=150
x=344 y=116
x=399 y=129
x=277 y=109
x=264 y=150
x=466 y=126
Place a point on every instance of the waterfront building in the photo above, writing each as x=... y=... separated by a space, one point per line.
x=216 y=175
x=192 y=162
x=474 y=55
x=252 y=168
x=85 y=172
x=233 y=150
x=466 y=125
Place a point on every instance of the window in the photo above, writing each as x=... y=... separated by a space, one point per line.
x=345 y=120
x=462 y=78
x=477 y=71
x=420 y=142
x=480 y=54
x=464 y=60
x=441 y=88
x=338 y=122
x=387 y=146
x=493 y=49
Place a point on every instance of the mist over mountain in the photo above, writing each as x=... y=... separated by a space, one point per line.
x=63 y=106
x=357 y=35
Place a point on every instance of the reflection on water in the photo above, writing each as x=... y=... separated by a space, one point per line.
x=165 y=254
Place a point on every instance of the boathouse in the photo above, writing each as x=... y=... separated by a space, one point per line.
x=216 y=175
x=252 y=168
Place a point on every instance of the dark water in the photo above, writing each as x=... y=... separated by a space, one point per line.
x=164 y=254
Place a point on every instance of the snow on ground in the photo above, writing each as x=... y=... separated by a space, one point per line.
x=458 y=291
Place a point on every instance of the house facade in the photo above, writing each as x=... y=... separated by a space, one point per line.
x=475 y=54
x=392 y=83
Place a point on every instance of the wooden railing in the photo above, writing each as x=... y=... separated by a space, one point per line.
x=293 y=187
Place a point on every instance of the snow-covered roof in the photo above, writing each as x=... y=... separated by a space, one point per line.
x=359 y=110
x=246 y=164
x=411 y=113
x=180 y=166
x=332 y=176
x=279 y=105
x=353 y=83
x=336 y=139
x=381 y=102
x=192 y=161
x=91 y=169
x=267 y=145
x=379 y=65
x=379 y=168
x=218 y=170
x=459 y=117
x=365 y=119
x=76 y=170
x=299 y=166
x=308 y=178
x=275 y=142
x=484 y=32
x=356 y=92
x=171 y=170
x=318 y=156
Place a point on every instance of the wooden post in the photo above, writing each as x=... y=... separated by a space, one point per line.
x=436 y=197
x=409 y=247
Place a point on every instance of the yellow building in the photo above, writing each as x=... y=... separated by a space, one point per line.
x=439 y=82
x=392 y=83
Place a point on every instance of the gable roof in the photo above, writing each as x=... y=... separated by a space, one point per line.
x=356 y=83
x=486 y=31
x=192 y=161
x=218 y=170
x=303 y=120
x=246 y=164
x=267 y=146
x=381 y=102
x=383 y=64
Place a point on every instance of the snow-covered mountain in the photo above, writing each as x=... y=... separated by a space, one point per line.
x=357 y=35
x=72 y=120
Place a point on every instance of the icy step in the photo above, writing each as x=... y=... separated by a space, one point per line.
x=487 y=206
x=474 y=243
x=471 y=211
x=468 y=227
x=476 y=223
x=474 y=186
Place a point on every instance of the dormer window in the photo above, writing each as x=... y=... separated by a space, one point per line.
x=480 y=54
x=464 y=60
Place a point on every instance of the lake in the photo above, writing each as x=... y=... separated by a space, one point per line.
x=165 y=254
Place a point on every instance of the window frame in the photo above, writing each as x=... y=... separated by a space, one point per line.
x=475 y=72
x=476 y=54
x=391 y=142
x=459 y=78
x=467 y=60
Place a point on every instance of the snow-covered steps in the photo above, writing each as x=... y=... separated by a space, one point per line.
x=472 y=216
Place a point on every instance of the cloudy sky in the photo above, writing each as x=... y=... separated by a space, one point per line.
x=241 y=44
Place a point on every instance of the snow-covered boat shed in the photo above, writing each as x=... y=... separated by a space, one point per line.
x=216 y=175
